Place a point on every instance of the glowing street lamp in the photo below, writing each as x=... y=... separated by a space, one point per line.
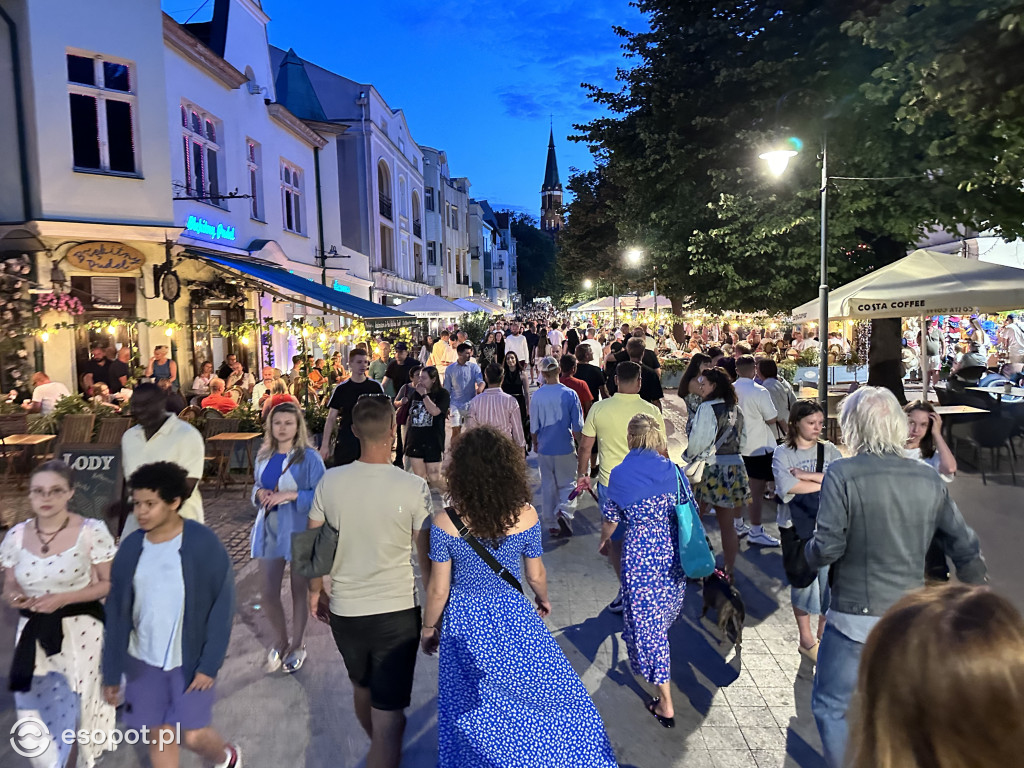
x=588 y=284
x=778 y=160
x=634 y=256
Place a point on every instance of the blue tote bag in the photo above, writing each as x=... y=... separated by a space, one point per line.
x=695 y=555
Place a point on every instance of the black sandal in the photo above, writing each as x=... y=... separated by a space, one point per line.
x=666 y=722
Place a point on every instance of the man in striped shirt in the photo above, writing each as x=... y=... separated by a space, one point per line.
x=496 y=408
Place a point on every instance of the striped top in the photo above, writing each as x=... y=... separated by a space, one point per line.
x=499 y=410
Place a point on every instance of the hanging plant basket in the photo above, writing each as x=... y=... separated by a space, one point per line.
x=58 y=302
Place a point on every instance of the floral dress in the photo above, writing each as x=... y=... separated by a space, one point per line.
x=67 y=690
x=653 y=581
x=507 y=695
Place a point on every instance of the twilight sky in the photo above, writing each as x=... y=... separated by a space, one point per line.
x=476 y=78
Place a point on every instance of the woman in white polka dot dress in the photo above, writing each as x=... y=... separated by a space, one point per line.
x=56 y=570
x=507 y=695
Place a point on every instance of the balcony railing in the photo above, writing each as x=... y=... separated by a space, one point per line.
x=385 y=207
x=417 y=228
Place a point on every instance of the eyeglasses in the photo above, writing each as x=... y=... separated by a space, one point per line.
x=44 y=493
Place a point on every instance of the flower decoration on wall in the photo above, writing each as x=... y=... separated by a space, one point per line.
x=58 y=302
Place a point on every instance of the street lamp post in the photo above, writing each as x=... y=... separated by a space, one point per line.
x=777 y=161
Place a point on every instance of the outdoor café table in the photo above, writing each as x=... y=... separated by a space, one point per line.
x=233 y=438
x=955 y=410
x=999 y=391
x=28 y=443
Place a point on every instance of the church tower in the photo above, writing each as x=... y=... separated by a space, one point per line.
x=551 y=194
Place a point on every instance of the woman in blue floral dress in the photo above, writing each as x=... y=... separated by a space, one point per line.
x=507 y=695
x=642 y=496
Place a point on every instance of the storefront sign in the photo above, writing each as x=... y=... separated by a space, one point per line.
x=213 y=230
x=105 y=257
x=341 y=287
x=376 y=324
x=97 y=479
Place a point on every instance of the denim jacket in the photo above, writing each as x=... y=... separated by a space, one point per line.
x=877 y=518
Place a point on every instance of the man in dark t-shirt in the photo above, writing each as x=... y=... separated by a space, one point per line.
x=120 y=370
x=591 y=374
x=344 y=397
x=396 y=375
x=650 y=380
x=98 y=366
x=531 y=345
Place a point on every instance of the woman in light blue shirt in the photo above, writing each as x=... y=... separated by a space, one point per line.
x=287 y=472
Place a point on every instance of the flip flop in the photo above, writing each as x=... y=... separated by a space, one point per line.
x=666 y=722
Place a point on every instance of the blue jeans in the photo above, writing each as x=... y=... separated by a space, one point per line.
x=835 y=679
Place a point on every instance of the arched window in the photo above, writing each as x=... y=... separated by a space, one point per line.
x=403 y=204
x=417 y=227
x=384 y=190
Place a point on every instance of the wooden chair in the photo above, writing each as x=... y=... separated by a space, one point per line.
x=218 y=453
x=190 y=414
x=211 y=413
x=13 y=424
x=111 y=430
x=75 y=429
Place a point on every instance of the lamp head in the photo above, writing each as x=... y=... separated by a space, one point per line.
x=777 y=160
x=588 y=284
x=634 y=255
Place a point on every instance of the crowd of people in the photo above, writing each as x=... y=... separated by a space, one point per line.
x=456 y=421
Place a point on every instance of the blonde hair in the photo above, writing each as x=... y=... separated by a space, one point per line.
x=645 y=433
x=279 y=387
x=269 y=447
x=941 y=683
x=872 y=421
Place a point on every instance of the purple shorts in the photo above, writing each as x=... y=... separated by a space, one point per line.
x=155 y=697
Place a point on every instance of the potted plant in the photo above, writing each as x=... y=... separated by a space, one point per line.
x=672 y=369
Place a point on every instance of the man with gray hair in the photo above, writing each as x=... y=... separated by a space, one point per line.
x=879 y=513
x=592 y=342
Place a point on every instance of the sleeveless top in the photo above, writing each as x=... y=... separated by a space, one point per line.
x=163 y=371
x=730 y=424
x=512 y=384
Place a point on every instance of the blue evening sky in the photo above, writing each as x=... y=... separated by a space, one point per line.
x=476 y=78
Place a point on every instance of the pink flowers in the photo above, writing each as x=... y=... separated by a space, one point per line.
x=58 y=302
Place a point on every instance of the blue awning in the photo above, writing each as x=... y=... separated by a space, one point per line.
x=345 y=302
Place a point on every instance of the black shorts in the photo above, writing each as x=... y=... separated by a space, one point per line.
x=380 y=654
x=759 y=467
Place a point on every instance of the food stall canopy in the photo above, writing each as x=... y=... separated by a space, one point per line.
x=480 y=304
x=597 y=305
x=431 y=305
x=923 y=283
x=345 y=302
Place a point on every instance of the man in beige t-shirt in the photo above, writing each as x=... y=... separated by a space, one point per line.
x=381 y=514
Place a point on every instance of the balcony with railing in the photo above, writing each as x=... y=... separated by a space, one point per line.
x=385 y=207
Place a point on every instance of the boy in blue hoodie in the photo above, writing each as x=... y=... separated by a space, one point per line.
x=168 y=621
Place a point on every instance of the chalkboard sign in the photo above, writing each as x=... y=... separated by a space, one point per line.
x=98 y=480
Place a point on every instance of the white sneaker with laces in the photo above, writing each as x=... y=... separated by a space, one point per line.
x=742 y=529
x=761 y=538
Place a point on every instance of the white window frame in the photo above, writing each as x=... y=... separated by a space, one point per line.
x=103 y=95
x=253 y=162
x=428 y=198
x=291 y=198
x=191 y=138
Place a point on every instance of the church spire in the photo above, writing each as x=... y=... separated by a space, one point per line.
x=551 y=193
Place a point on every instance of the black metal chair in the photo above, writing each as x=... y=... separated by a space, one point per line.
x=993 y=432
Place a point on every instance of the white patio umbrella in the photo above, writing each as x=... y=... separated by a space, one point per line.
x=430 y=305
x=922 y=284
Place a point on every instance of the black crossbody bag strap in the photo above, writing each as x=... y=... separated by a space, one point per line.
x=820 y=463
x=481 y=550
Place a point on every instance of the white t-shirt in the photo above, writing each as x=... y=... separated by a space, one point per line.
x=176 y=441
x=555 y=338
x=517 y=343
x=375 y=508
x=159 y=608
x=934 y=462
x=48 y=394
x=758 y=409
x=805 y=344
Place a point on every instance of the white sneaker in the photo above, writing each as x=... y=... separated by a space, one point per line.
x=742 y=529
x=761 y=538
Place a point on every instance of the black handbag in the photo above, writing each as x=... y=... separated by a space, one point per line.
x=804 y=511
x=481 y=550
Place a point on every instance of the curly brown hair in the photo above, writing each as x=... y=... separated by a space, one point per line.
x=487 y=482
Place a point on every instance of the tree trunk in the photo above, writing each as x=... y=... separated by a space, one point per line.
x=885 y=357
x=678 y=331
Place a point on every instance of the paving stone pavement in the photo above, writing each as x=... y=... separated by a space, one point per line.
x=734 y=709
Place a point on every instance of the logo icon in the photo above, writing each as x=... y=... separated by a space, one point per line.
x=30 y=737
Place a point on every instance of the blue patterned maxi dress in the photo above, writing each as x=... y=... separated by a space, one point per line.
x=507 y=696
x=642 y=496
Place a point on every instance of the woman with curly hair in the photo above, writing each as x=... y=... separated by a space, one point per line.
x=504 y=684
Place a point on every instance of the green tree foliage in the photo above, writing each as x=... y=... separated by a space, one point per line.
x=535 y=256
x=714 y=84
